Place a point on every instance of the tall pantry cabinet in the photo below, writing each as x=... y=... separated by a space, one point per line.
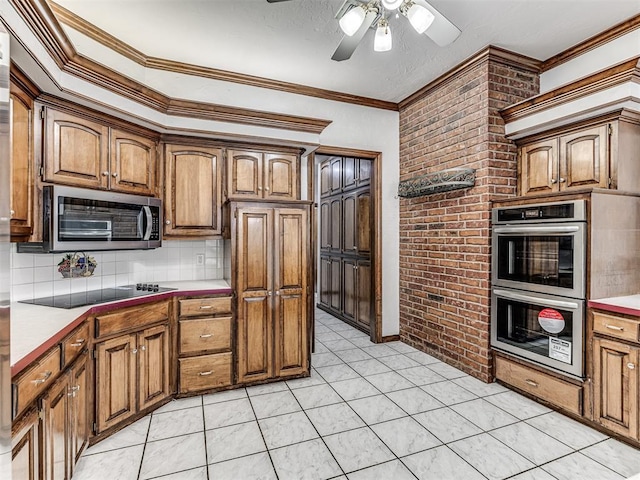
x=271 y=258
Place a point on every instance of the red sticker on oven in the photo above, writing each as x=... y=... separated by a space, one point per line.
x=551 y=320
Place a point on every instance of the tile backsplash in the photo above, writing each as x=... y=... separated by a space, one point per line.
x=36 y=275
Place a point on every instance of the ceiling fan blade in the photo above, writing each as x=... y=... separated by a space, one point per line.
x=441 y=31
x=349 y=44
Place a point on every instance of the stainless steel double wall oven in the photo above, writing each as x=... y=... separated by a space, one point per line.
x=538 y=283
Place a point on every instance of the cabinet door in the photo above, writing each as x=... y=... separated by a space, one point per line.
x=193 y=198
x=336 y=174
x=79 y=408
x=325 y=178
x=25 y=447
x=116 y=361
x=75 y=151
x=615 y=386
x=538 y=168
x=55 y=433
x=21 y=182
x=254 y=282
x=349 y=288
x=133 y=163
x=584 y=159
x=325 y=281
x=349 y=223
x=280 y=176
x=363 y=294
x=336 y=224
x=335 y=301
x=153 y=367
x=244 y=174
x=349 y=172
x=363 y=173
x=291 y=251
x=363 y=222
x=325 y=225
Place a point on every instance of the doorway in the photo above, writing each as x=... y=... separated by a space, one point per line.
x=346 y=226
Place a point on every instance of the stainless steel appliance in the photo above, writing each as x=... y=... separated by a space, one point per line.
x=92 y=297
x=80 y=219
x=540 y=248
x=538 y=277
x=5 y=201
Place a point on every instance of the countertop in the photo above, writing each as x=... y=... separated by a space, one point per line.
x=629 y=305
x=35 y=329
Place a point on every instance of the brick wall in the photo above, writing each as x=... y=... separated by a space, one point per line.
x=445 y=238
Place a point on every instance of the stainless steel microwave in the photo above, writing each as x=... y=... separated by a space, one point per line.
x=80 y=219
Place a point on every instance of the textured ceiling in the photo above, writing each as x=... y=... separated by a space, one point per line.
x=293 y=41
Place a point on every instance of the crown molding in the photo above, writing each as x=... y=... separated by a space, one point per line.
x=98 y=35
x=490 y=53
x=592 y=43
x=43 y=23
x=19 y=78
x=621 y=73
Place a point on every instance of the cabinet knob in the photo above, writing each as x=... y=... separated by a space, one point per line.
x=134 y=351
x=13 y=212
x=114 y=174
x=105 y=174
x=266 y=188
x=631 y=366
x=554 y=180
x=167 y=222
x=259 y=188
x=143 y=348
x=563 y=180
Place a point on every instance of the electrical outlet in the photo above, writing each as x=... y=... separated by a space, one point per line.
x=199 y=259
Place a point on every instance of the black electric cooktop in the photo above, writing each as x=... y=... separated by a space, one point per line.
x=92 y=297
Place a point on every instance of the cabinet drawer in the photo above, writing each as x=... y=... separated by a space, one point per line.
x=546 y=387
x=618 y=327
x=201 y=334
x=205 y=306
x=75 y=343
x=205 y=372
x=130 y=318
x=36 y=379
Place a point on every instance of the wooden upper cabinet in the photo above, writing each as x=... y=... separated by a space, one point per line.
x=76 y=151
x=192 y=191
x=21 y=182
x=133 y=163
x=538 y=170
x=256 y=175
x=280 y=176
x=584 y=158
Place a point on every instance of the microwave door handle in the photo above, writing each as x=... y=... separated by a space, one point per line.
x=149 y=221
x=542 y=230
x=533 y=299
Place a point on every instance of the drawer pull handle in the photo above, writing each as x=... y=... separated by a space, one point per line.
x=614 y=327
x=205 y=307
x=532 y=383
x=78 y=343
x=45 y=376
x=206 y=335
x=204 y=374
x=631 y=366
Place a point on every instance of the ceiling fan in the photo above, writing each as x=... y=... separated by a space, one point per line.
x=356 y=17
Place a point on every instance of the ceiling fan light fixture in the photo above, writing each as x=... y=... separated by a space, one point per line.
x=351 y=21
x=391 y=4
x=382 y=41
x=420 y=18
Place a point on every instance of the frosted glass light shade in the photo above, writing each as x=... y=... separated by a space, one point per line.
x=382 y=40
x=391 y=4
x=420 y=18
x=352 y=20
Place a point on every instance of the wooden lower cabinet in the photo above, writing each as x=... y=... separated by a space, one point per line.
x=615 y=386
x=25 y=447
x=65 y=429
x=132 y=374
x=271 y=276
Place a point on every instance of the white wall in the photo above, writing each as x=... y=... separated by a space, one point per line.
x=352 y=126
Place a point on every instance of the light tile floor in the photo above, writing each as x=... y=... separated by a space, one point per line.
x=367 y=412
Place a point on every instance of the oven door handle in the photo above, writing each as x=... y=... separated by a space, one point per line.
x=542 y=230
x=534 y=299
